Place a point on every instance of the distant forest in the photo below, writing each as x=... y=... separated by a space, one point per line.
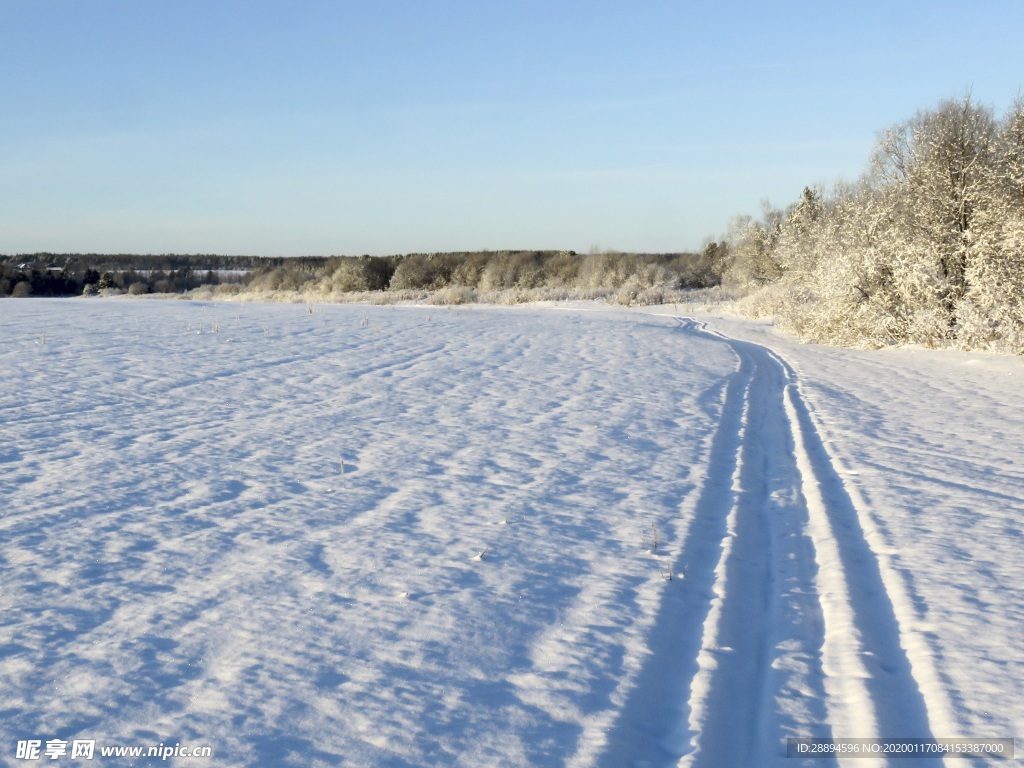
x=73 y=274
x=50 y=274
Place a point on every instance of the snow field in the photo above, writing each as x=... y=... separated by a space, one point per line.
x=348 y=535
x=185 y=559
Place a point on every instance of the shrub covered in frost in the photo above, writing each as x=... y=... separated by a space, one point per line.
x=927 y=248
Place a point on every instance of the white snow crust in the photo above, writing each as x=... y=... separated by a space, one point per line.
x=406 y=536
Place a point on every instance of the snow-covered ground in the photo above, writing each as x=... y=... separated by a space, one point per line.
x=416 y=537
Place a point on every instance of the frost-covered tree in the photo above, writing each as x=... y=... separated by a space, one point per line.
x=753 y=261
x=992 y=314
x=936 y=168
x=927 y=248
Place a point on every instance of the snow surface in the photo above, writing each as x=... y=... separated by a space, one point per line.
x=392 y=536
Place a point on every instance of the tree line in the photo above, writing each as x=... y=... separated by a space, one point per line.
x=71 y=274
x=927 y=247
x=496 y=271
x=23 y=279
x=632 y=277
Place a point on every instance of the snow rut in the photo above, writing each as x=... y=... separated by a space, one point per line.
x=786 y=622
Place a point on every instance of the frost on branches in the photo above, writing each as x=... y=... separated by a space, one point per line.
x=927 y=248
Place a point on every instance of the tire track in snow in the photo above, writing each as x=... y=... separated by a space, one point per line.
x=865 y=598
x=783 y=599
x=652 y=728
x=760 y=601
x=876 y=668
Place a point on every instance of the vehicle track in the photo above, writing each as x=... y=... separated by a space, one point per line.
x=787 y=623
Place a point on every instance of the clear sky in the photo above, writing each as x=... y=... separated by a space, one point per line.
x=292 y=127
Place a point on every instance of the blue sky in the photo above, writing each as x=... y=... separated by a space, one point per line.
x=316 y=127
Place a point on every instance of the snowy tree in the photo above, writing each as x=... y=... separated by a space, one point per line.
x=927 y=248
x=753 y=260
x=937 y=167
x=993 y=311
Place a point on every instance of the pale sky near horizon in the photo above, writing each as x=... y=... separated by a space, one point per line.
x=313 y=127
